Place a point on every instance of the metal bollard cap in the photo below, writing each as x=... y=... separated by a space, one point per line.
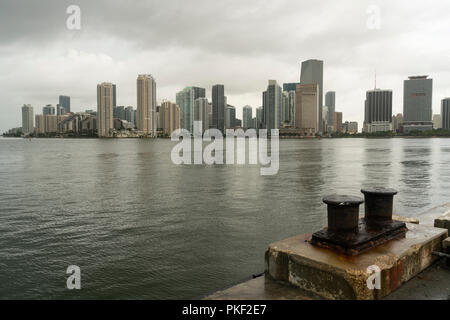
x=342 y=200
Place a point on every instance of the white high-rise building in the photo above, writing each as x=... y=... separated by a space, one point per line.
x=27 y=119
x=105 y=117
x=146 y=104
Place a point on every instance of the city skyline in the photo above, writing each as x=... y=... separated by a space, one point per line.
x=241 y=61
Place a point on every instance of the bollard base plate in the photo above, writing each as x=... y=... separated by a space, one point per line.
x=369 y=235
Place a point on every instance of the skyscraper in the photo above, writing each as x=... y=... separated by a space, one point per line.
x=445 y=113
x=170 y=117
x=146 y=104
x=185 y=100
x=272 y=105
x=105 y=121
x=259 y=118
x=230 y=117
x=337 y=122
x=437 y=121
x=378 y=110
x=130 y=115
x=27 y=119
x=312 y=73
x=64 y=101
x=290 y=86
x=330 y=102
x=247 y=117
x=48 y=110
x=114 y=96
x=307 y=109
x=201 y=112
x=417 y=103
x=218 y=106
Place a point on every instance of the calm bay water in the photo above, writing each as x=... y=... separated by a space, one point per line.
x=141 y=227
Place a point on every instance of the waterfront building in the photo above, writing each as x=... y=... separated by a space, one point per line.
x=51 y=123
x=445 y=113
x=417 y=104
x=397 y=122
x=105 y=122
x=259 y=118
x=130 y=115
x=170 y=117
x=119 y=112
x=337 y=122
x=247 y=116
x=272 y=105
x=351 y=127
x=64 y=101
x=437 y=121
x=307 y=109
x=230 y=117
x=27 y=119
x=146 y=104
x=185 y=100
x=48 y=109
x=114 y=96
x=330 y=103
x=378 y=110
x=60 y=110
x=312 y=73
x=201 y=112
x=39 y=128
x=218 y=107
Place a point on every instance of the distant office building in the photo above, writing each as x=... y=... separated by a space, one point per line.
x=325 y=116
x=114 y=96
x=201 y=112
x=169 y=117
x=64 y=101
x=284 y=108
x=337 y=122
x=312 y=73
x=60 y=110
x=272 y=105
x=27 y=119
x=238 y=123
x=350 y=127
x=445 y=113
x=39 y=127
x=48 y=109
x=417 y=104
x=307 y=109
x=247 y=116
x=185 y=100
x=290 y=86
x=330 y=102
x=130 y=115
x=105 y=121
x=378 y=110
x=259 y=118
x=119 y=112
x=50 y=123
x=437 y=121
x=230 y=117
x=218 y=106
x=397 y=122
x=146 y=104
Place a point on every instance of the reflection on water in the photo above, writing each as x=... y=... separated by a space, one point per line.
x=142 y=227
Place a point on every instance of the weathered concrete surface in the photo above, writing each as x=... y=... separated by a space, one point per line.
x=443 y=221
x=431 y=284
x=262 y=288
x=336 y=276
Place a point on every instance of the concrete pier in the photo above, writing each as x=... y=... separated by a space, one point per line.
x=296 y=269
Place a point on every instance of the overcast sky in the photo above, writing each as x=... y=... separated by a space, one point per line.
x=241 y=44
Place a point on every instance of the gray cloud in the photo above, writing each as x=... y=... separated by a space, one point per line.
x=241 y=44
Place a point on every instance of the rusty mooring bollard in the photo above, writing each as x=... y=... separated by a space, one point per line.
x=343 y=212
x=378 y=203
